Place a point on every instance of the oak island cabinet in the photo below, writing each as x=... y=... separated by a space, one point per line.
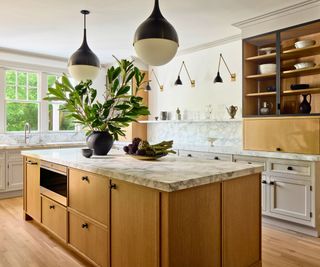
x=137 y=218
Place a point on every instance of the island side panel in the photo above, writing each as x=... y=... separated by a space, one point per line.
x=191 y=227
x=135 y=225
x=241 y=221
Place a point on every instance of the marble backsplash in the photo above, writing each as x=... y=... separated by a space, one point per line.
x=48 y=137
x=227 y=133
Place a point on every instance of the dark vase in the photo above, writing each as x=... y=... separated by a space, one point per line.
x=305 y=106
x=100 y=142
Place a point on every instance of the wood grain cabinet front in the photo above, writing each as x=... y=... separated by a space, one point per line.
x=89 y=238
x=89 y=194
x=292 y=135
x=54 y=217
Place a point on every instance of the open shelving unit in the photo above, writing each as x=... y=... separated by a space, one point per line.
x=274 y=88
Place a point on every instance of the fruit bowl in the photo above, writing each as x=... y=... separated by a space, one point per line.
x=149 y=158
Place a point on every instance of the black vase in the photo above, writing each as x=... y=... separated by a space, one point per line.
x=305 y=106
x=100 y=142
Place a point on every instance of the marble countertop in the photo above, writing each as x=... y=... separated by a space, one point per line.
x=168 y=174
x=41 y=145
x=239 y=151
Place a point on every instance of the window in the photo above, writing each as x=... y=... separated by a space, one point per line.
x=22 y=104
x=58 y=119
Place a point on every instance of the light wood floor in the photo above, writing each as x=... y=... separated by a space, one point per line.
x=24 y=244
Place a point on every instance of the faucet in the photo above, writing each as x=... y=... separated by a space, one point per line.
x=26 y=130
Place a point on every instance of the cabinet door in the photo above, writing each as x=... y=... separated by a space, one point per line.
x=290 y=199
x=135 y=217
x=2 y=173
x=15 y=175
x=296 y=135
x=33 y=201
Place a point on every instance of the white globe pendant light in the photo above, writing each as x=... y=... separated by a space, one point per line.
x=84 y=64
x=156 y=41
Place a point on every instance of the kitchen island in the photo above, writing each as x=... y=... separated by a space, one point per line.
x=118 y=211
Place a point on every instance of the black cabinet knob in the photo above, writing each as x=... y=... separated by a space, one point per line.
x=249 y=162
x=189 y=155
x=216 y=158
x=290 y=168
x=264 y=181
x=271 y=183
x=278 y=149
x=51 y=207
x=113 y=186
x=85 y=226
x=85 y=178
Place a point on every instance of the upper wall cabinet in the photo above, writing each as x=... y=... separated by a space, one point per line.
x=274 y=83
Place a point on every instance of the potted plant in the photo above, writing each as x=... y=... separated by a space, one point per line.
x=104 y=121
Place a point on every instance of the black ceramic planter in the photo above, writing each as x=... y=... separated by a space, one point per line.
x=100 y=142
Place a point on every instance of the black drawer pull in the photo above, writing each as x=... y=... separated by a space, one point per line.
x=113 y=186
x=290 y=168
x=264 y=181
x=249 y=162
x=85 y=226
x=85 y=178
x=189 y=155
x=278 y=149
x=271 y=183
x=29 y=162
x=216 y=158
x=52 y=207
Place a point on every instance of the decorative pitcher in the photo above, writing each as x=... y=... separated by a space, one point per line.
x=266 y=108
x=232 y=110
x=305 y=105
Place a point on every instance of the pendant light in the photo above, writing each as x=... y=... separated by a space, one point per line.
x=218 y=78
x=179 y=82
x=84 y=64
x=156 y=41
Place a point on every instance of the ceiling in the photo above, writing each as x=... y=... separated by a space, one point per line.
x=55 y=27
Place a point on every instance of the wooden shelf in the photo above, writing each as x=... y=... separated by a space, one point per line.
x=301 y=72
x=261 y=76
x=262 y=58
x=301 y=52
x=299 y=92
x=262 y=94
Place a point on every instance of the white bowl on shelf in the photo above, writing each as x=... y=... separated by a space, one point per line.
x=303 y=65
x=304 y=43
x=267 y=68
x=267 y=50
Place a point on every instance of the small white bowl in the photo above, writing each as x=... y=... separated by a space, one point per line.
x=267 y=68
x=267 y=50
x=303 y=65
x=304 y=43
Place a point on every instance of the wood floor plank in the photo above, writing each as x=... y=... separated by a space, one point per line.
x=25 y=244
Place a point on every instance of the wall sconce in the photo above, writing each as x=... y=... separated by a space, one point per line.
x=179 y=82
x=218 y=78
x=148 y=88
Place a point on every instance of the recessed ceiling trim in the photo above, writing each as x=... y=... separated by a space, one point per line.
x=277 y=13
x=204 y=46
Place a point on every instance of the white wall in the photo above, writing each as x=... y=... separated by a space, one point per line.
x=202 y=66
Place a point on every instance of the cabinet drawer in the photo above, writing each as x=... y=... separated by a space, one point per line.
x=54 y=217
x=89 y=194
x=14 y=156
x=251 y=160
x=89 y=238
x=53 y=166
x=205 y=155
x=291 y=168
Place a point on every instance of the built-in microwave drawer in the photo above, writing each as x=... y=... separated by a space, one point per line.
x=54 y=217
x=251 y=160
x=291 y=167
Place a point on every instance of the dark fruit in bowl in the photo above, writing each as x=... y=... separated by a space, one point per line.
x=141 y=152
x=126 y=149
x=136 y=141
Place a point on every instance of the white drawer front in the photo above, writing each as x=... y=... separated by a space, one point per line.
x=294 y=168
x=205 y=155
x=251 y=160
x=14 y=156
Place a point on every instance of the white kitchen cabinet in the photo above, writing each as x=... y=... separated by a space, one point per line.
x=290 y=199
x=15 y=175
x=2 y=171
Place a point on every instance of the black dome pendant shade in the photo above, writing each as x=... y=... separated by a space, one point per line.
x=84 y=56
x=156 y=28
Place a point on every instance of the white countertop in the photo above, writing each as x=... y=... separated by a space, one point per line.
x=168 y=174
x=41 y=145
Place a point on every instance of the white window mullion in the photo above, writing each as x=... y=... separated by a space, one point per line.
x=2 y=100
x=44 y=107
